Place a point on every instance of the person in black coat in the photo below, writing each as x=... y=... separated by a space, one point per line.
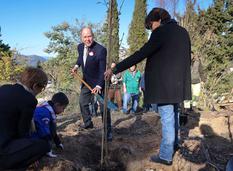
x=17 y=104
x=167 y=75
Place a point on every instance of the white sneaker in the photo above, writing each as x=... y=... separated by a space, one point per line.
x=50 y=154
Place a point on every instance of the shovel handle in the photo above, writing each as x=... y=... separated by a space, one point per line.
x=84 y=82
x=110 y=105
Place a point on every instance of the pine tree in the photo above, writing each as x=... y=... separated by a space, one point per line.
x=8 y=68
x=210 y=32
x=216 y=48
x=229 y=35
x=137 y=32
x=4 y=47
x=114 y=56
x=219 y=21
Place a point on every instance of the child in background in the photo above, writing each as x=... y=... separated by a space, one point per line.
x=45 y=120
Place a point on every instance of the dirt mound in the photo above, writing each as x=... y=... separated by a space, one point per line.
x=205 y=146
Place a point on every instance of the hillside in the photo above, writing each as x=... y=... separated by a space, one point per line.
x=30 y=60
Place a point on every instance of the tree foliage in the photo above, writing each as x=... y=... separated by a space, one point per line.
x=8 y=67
x=4 y=48
x=9 y=70
x=169 y=5
x=138 y=35
x=114 y=56
x=211 y=36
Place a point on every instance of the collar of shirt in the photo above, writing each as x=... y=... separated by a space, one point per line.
x=26 y=88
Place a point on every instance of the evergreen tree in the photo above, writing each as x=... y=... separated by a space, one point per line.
x=216 y=47
x=4 y=47
x=229 y=35
x=114 y=56
x=8 y=68
x=138 y=35
x=62 y=43
x=210 y=33
x=219 y=21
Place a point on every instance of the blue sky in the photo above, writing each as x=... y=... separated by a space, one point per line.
x=23 y=22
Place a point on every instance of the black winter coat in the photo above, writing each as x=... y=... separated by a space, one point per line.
x=167 y=71
x=16 y=111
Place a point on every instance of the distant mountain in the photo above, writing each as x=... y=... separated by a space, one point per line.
x=33 y=59
x=30 y=60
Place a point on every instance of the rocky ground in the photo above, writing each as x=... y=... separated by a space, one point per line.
x=206 y=143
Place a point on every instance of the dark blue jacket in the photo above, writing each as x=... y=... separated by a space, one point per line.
x=93 y=72
x=45 y=122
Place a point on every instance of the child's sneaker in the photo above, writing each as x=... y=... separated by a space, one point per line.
x=50 y=154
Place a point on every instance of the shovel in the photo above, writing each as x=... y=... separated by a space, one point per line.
x=110 y=105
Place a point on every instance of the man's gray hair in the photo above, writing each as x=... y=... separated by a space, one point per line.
x=86 y=27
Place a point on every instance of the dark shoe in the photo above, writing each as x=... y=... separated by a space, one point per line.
x=87 y=126
x=176 y=148
x=125 y=112
x=183 y=119
x=157 y=159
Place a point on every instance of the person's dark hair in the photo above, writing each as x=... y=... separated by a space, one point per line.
x=157 y=14
x=60 y=98
x=31 y=76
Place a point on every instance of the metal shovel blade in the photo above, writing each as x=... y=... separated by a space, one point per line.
x=110 y=105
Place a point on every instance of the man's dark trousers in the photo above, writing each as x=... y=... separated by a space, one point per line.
x=85 y=98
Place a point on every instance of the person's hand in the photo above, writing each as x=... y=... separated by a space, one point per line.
x=124 y=88
x=108 y=74
x=140 y=89
x=74 y=70
x=96 y=90
x=60 y=146
x=140 y=92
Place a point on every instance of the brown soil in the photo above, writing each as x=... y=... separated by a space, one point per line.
x=206 y=143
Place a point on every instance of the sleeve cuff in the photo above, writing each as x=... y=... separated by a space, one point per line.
x=76 y=66
x=98 y=86
x=114 y=70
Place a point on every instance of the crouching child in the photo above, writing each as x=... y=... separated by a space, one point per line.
x=45 y=120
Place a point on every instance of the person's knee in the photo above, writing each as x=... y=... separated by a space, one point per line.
x=44 y=146
x=23 y=157
x=81 y=101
